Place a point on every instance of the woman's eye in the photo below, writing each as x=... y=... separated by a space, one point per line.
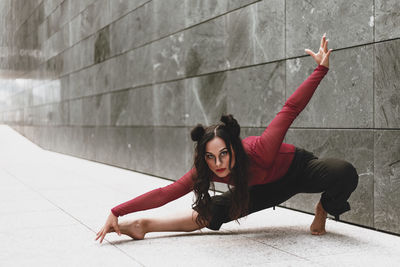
x=210 y=156
x=224 y=153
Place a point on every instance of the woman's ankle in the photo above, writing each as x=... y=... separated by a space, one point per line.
x=143 y=225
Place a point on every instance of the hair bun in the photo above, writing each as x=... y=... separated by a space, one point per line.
x=232 y=124
x=197 y=132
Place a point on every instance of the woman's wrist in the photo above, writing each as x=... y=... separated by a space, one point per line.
x=113 y=213
x=323 y=67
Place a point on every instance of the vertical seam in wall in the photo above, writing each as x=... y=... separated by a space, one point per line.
x=285 y=55
x=285 y=41
x=373 y=115
x=373 y=67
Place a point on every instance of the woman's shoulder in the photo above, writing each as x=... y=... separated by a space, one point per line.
x=249 y=143
x=249 y=140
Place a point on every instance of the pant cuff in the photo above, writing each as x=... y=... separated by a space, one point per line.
x=335 y=209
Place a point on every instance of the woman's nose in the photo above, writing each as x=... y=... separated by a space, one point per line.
x=218 y=162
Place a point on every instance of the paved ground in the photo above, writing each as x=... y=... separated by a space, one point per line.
x=52 y=205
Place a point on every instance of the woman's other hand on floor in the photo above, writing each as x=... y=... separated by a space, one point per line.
x=322 y=57
x=111 y=225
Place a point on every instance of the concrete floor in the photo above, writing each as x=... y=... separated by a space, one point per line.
x=52 y=205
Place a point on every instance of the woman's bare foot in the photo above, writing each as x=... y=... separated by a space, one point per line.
x=318 y=225
x=134 y=229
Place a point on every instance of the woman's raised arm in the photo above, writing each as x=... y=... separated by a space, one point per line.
x=268 y=144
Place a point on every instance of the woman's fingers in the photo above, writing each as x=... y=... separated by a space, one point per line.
x=322 y=57
x=326 y=46
x=103 y=235
x=311 y=53
x=98 y=234
x=323 y=40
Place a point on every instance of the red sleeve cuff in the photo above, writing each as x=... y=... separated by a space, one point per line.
x=320 y=67
x=114 y=212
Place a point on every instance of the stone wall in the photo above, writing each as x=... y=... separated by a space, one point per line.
x=123 y=82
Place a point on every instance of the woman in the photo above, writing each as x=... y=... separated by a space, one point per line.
x=263 y=171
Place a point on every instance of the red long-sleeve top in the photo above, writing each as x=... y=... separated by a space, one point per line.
x=269 y=158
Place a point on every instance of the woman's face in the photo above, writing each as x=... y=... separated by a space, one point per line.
x=217 y=157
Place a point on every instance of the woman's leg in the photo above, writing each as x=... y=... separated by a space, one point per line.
x=337 y=179
x=184 y=222
x=317 y=227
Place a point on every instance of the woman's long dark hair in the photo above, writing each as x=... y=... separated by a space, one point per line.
x=228 y=130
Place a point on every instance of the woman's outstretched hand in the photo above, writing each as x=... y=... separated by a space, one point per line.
x=322 y=57
x=110 y=226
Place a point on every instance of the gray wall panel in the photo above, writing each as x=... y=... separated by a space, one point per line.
x=387 y=180
x=256 y=34
x=387 y=84
x=387 y=19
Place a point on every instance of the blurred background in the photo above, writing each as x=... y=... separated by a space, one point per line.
x=122 y=82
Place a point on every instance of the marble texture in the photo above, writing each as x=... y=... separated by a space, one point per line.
x=200 y=11
x=134 y=107
x=387 y=19
x=80 y=55
x=354 y=146
x=168 y=60
x=61 y=138
x=140 y=66
x=205 y=47
x=256 y=34
x=170 y=152
x=169 y=104
x=119 y=112
x=165 y=24
x=90 y=111
x=344 y=98
x=120 y=8
x=52 y=114
x=205 y=99
x=111 y=146
x=96 y=110
x=387 y=84
x=132 y=30
x=306 y=21
x=256 y=94
x=94 y=17
x=141 y=106
x=55 y=66
x=142 y=151
x=387 y=180
x=57 y=43
x=102 y=45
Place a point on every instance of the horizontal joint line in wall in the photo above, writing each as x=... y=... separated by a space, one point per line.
x=184 y=126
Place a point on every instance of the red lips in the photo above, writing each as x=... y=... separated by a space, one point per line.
x=220 y=170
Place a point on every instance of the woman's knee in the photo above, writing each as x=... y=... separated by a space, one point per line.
x=345 y=171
